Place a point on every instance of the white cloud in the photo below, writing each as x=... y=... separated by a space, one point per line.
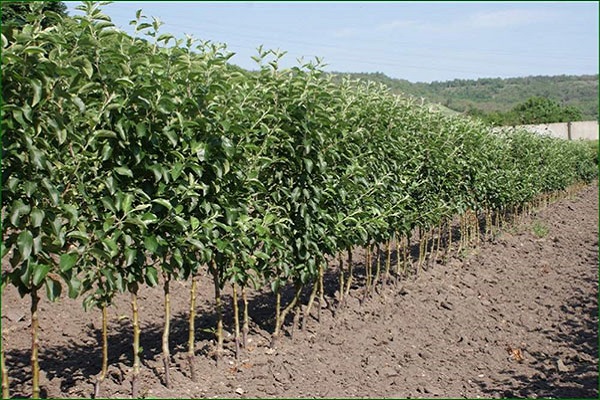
x=346 y=32
x=396 y=25
x=507 y=18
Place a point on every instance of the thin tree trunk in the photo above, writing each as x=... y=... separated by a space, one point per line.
x=245 y=327
x=368 y=270
x=136 y=346
x=281 y=320
x=388 y=261
x=219 y=310
x=449 y=250
x=5 y=386
x=311 y=300
x=104 y=370
x=341 y=262
x=350 y=272
x=321 y=292
x=398 y=245
x=236 y=321
x=35 y=366
x=166 y=331
x=296 y=322
x=192 y=330
x=377 y=267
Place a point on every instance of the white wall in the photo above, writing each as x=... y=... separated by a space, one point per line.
x=579 y=130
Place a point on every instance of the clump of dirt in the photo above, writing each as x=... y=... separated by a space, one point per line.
x=516 y=317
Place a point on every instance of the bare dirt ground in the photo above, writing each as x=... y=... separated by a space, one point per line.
x=455 y=330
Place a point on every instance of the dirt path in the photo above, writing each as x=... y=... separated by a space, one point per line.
x=456 y=330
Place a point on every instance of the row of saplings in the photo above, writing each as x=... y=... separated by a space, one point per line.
x=124 y=160
x=384 y=264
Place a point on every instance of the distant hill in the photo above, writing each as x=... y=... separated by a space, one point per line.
x=497 y=94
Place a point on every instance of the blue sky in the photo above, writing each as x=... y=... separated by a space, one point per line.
x=417 y=41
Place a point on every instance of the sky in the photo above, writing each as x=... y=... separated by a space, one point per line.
x=417 y=41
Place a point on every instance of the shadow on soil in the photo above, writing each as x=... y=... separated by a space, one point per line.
x=65 y=366
x=580 y=333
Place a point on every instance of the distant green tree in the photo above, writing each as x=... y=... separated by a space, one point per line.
x=541 y=110
x=13 y=14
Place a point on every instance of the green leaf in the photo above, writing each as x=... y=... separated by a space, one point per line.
x=172 y=136
x=39 y=273
x=33 y=50
x=124 y=171
x=18 y=208
x=196 y=243
x=125 y=81
x=151 y=276
x=151 y=244
x=83 y=236
x=67 y=261
x=3 y=249
x=53 y=289
x=74 y=286
x=109 y=204
x=130 y=256
x=176 y=170
x=79 y=103
x=37 y=91
x=25 y=244
x=126 y=204
x=308 y=163
x=87 y=67
x=163 y=202
x=52 y=191
x=140 y=129
x=105 y=133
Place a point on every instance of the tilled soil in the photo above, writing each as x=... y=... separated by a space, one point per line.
x=517 y=317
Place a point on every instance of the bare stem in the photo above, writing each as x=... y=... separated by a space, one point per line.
x=219 y=309
x=350 y=271
x=275 y=335
x=136 y=345
x=341 y=276
x=35 y=367
x=236 y=320
x=245 y=328
x=311 y=300
x=398 y=245
x=165 y=336
x=388 y=260
x=5 y=387
x=192 y=330
x=377 y=267
x=286 y=311
x=321 y=292
x=368 y=267
x=104 y=370
x=407 y=257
